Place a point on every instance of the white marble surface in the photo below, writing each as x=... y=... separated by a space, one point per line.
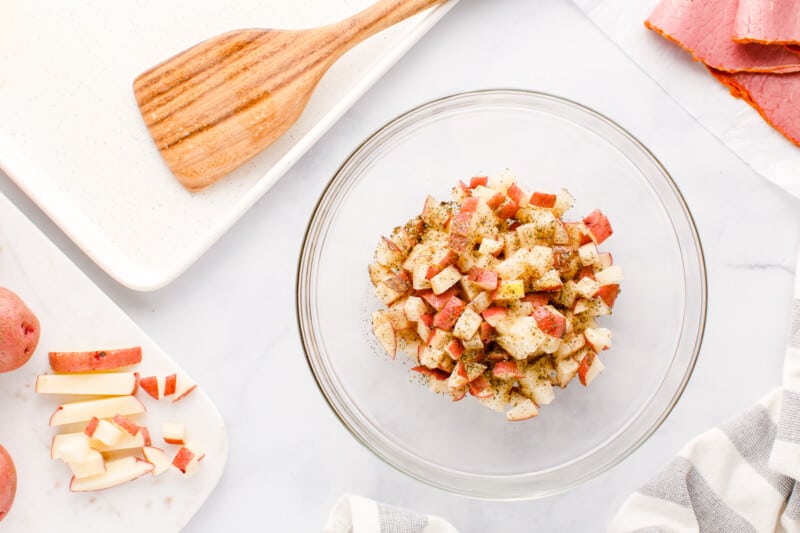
x=230 y=319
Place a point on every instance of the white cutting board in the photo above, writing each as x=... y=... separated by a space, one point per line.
x=75 y=315
x=72 y=138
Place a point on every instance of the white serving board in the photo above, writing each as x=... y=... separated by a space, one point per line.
x=76 y=315
x=72 y=138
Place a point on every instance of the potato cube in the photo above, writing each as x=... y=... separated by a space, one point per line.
x=445 y=279
x=589 y=254
x=587 y=288
x=510 y=290
x=490 y=246
x=467 y=324
x=564 y=202
x=610 y=275
x=414 y=307
x=520 y=337
x=515 y=266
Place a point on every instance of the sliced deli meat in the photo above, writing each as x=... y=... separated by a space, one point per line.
x=774 y=97
x=706 y=28
x=767 y=22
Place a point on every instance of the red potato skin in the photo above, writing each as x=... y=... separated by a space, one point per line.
x=126 y=424
x=608 y=293
x=469 y=204
x=599 y=225
x=446 y=318
x=170 y=384
x=549 y=322
x=435 y=373
x=146 y=434
x=540 y=199
x=478 y=180
x=91 y=426
x=8 y=482
x=182 y=458
x=95 y=360
x=150 y=386
x=185 y=393
x=19 y=331
x=586 y=362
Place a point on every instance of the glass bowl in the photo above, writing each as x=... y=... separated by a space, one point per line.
x=658 y=320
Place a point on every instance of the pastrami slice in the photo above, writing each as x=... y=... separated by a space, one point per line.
x=774 y=97
x=772 y=22
x=705 y=28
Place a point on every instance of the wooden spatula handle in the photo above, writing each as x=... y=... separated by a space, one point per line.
x=380 y=16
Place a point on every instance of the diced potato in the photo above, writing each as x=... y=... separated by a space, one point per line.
x=565 y=370
x=431 y=357
x=466 y=262
x=594 y=370
x=418 y=276
x=570 y=345
x=440 y=339
x=594 y=307
x=481 y=302
x=598 y=339
x=414 y=307
x=510 y=244
x=502 y=181
x=551 y=344
x=549 y=282
x=386 y=294
x=587 y=288
x=510 y=290
x=486 y=262
x=589 y=254
x=521 y=337
x=560 y=235
x=397 y=315
x=378 y=272
x=543 y=393
x=434 y=214
x=515 y=266
x=473 y=344
x=610 y=275
x=474 y=370
x=482 y=192
x=521 y=408
x=445 y=279
x=566 y=296
x=490 y=246
x=519 y=308
x=564 y=202
x=467 y=325
x=388 y=254
x=541 y=259
x=528 y=235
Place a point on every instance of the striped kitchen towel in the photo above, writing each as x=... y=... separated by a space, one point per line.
x=354 y=514
x=740 y=477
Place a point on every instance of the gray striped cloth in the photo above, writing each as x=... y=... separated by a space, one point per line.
x=738 y=478
x=354 y=514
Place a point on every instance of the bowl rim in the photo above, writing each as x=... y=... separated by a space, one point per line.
x=701 y=324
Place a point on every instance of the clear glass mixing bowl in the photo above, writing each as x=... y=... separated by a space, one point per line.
x=658 y=321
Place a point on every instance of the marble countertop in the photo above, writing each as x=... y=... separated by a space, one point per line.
x=230 y=320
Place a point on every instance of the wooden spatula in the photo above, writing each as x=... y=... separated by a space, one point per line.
x=218 y=104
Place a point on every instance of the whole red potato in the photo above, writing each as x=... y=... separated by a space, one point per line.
x=19 y=331
x=8 y=482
